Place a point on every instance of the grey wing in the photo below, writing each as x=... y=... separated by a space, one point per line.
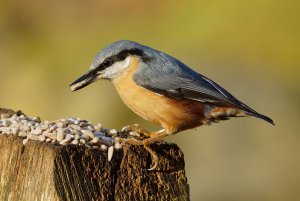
x=169 y=77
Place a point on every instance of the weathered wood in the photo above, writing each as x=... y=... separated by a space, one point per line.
x=42 y=171
x=168 y=182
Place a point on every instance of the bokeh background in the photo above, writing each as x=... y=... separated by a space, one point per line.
x=250 y=48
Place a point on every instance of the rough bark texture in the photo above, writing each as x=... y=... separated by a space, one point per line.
x=42 y=171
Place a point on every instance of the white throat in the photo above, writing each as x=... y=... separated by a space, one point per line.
x=117 y=68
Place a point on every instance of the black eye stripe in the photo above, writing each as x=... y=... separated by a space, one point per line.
x=107 y=63
x=120 y=57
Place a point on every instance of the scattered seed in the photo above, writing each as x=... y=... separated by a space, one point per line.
x=36 y=119
x=25 y=141
x=103 y=147
x=5 y=116
x=60 y=124
x=69 y=136
x=50 y=135
x=77 y=127
x=135 y=134
x=32 y=137
x=63 y=131
x=41 y=138
x=64 y=141
x=64 y=121
x=113 y=131
x=22 y=134
x=98 y=133
x=110 y=153
x=5 y=129
x=37 y=131
x=31 y=123
x=15 y=131
x=125 y=128
x=88 y=133
x=106 y=140
x=22 y=116
x=118 y=146
x=6 y=123
x=77 y=137
x=98 y=127
x=52 y=128
x=95 y=140
x=43 y=127
x=60 y=135
x=82 y=141
x=82 y=124
x=26 y=128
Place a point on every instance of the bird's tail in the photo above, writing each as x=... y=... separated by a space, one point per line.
x=216 y=114
x=249 y=111
x=260 y=116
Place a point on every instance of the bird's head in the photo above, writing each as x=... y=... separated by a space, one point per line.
x=111 y=62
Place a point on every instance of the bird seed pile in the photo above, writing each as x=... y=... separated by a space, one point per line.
x=61 y=132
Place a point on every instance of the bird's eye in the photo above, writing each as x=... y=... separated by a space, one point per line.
x=106 y=63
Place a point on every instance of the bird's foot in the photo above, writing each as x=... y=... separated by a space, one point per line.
x=154 y=137
x=145 y=143
x=131 y=141
x=137 y=129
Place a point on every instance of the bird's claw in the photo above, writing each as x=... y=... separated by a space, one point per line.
x=137 y=128
x=153 y=156
x=132 y=141
x=155 y=161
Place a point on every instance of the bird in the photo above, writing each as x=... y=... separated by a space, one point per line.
x=163 y=90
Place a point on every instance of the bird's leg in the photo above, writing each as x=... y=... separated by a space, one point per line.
x=153 y=137
x=156 y=136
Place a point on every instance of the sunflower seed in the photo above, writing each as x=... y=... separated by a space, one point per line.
x=60 y=135
x=118 y=146
x=41 y=138
x=25 y=141
x=110 y=153
x=6 y=123
x=32 y=137
x=75 y=142
x=88 y=133
x=95 y=140
x=103 y=147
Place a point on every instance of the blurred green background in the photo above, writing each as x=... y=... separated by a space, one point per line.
x=251 y=48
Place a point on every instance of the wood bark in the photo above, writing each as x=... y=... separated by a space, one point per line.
x=43 y=171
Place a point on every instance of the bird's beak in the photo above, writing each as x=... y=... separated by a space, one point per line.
x=85 y=80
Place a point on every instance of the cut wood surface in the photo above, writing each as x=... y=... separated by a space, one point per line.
x=43 y=171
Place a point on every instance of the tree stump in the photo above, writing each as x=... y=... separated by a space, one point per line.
x=43 y=171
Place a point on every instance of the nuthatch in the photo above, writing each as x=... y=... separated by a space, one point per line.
x=162 y=90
